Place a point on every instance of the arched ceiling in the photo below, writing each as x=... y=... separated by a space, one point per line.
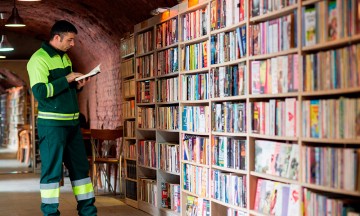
x=101 y=23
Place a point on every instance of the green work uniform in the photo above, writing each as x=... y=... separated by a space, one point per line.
x=60 y=137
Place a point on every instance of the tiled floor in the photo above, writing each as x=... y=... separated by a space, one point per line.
x=19 y=195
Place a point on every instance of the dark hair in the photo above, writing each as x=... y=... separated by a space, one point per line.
x=60 y=27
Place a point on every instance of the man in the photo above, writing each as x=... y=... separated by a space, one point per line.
x=60 y=140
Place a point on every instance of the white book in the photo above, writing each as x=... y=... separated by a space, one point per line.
x=93 y=72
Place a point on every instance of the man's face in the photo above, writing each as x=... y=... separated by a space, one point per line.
x=65 y=41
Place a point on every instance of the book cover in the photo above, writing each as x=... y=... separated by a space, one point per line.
x=314 y=118
x=310 y=25
x=333 y=25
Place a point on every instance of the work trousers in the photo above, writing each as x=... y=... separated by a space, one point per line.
x=60 y=145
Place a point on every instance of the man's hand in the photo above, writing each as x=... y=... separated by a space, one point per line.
x=72 y=76
x=82 y=82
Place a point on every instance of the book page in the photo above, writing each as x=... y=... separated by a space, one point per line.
x=93 y=72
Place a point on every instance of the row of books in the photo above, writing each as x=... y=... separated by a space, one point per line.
x=166 y=33
x=275 y=118
x=168 y=118
x=227 y=13
x=131 y=169
x=145 y=91
x=129 y=108
x=167 y=61
x=229 y=117
x=273 y=36
x=228 y=81
x=332 y=167
x=275 y=198
x=129 y=129
x=127 y=45
x=145 y=66
x=144 y=42
x=146 y=117
x=332 y=69
x=195 y=118
x=275 y=75
x=129 y=88
x=229 y=152
x=331 y=118
x=127 y=67
x=170 y=196
x=196 y=179
x=131 y=190
x=130 y=149
x=167 y=90
x=147 y=153
x=326 y=204
x=148 y=190
x=228 y=46
x=169 y=157
x=196 y=149
x=194 y=24
x=194 y=56
x=229 y=188
x=330 y=20
x=196 y=206
x=195 y=87
x=261 y=7
x=277 y=158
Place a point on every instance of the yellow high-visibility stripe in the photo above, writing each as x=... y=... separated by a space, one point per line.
x=58 y=116
x=50 y=193
x=83 y=189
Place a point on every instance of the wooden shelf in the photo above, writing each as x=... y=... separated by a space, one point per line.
x=168 y=103
x=167 y=47
x=172 y=173
x=228 y=63
x=147 y=167
x=331 y=141
x=274 y=178
x=130 y=179
x=280 y=95
x=195 y=133
x=276 y=54
x=332 y=190
x=332 y=92
x=229 y=205
x=229 y=98
x=310 y=2
x=274 y=14
x=332 y=44
x=196 y=71
x=144 y=79
x=229 y=134
x=145 y=54
x=172 y=74
x=146 y=104
x=195 y=164
x=243 y=172
x=128 y=55
x=261 y=136
x=194 y=41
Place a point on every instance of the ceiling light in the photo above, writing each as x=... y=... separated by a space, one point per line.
x=15 y=20
x=2 y=57
x=5 y=46
x=158 y=11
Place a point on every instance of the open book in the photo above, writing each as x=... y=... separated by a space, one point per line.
x=93 y=72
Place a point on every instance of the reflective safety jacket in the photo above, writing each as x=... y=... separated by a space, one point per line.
x=57 y=99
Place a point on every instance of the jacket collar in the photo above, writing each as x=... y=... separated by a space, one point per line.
x=51 y=50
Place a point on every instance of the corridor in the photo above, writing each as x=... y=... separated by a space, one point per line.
x=19 y=193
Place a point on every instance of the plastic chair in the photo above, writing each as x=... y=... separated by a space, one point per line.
x=106 y=149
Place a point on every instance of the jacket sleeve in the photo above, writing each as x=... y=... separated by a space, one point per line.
x=38 y=74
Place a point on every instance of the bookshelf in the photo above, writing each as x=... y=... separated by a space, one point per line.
x=270 y=79
x=127 y=68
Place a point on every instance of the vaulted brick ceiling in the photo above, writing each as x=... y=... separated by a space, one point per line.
x=101 y=23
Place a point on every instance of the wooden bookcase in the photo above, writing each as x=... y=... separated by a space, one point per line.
x=258 y=82
x=128 y=78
